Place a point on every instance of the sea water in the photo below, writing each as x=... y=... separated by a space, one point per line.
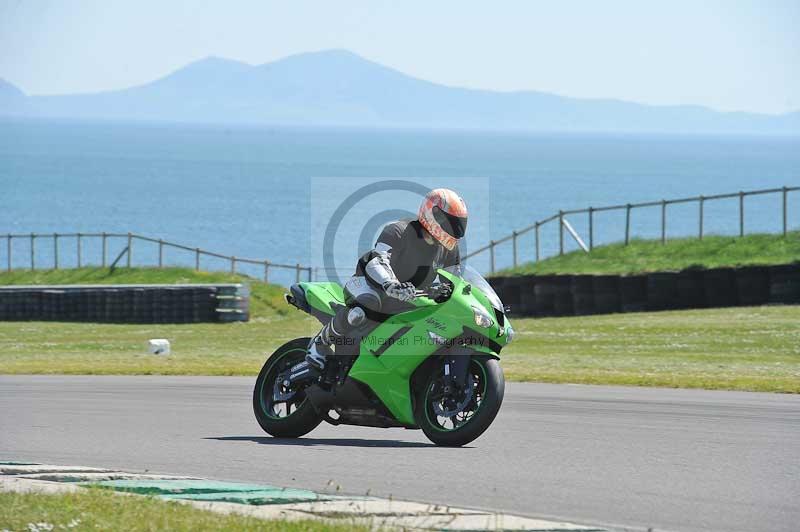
x=269 y=192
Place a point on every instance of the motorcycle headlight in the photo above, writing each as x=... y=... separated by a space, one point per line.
x=482 y=318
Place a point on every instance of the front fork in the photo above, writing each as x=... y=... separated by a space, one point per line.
x=456 y=366
x=456 y=393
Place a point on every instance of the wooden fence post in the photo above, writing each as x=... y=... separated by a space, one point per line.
x=160 y=253
x=627 y=224
x=560 y=232
x=55 y=251
x=741 y=213
x=663 y=221
x=78 y=240
x=105 y=247
x=700 y=229
x=514 y=243
x=130 y=249
x=309 y=274
x=33 y=260
x=266 y=271
x=233 y=264
x=536 y=239
x=297 y=276
x=8 y=251
x=591 y=228
x=784 y=211
x=197 y=259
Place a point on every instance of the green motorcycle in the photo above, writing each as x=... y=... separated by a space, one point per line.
x=434 y=366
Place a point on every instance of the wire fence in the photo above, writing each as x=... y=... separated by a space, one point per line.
x=60 y=250
x=118 y=249
x=564 y=227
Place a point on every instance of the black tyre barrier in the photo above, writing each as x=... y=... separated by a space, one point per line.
x=784 y=283
x=582 y=295
x=752 y=285
x=544 y=295
x=126 y=304
x=662 y=291
x=690 y=289
x=520 y=295
x=527 y=294
x=720 y=287
x=606 y=294
x=633 y=293
x=511 y=287
x=564 y=295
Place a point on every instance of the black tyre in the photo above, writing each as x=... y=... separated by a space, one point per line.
x=294 y=416
x=488 y=387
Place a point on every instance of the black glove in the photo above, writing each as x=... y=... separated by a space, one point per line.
x=440 y=292
x=401 y=291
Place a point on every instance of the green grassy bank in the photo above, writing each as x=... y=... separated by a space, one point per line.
x=651 y=255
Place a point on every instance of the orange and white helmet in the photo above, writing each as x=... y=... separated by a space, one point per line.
x=444 y=214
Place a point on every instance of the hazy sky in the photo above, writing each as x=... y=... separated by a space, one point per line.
x=729 y=55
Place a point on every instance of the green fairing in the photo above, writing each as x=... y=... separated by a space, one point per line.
x=322 y=295
x=388 y=373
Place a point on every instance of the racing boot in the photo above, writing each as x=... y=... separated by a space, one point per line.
x=318 y=351
x=335 y=331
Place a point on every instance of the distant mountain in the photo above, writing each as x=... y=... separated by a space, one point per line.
x=12 y=100
x=339 y=88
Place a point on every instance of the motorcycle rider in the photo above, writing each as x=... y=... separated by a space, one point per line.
x=406 y=257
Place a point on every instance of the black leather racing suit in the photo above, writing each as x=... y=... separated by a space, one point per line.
x=403 y=253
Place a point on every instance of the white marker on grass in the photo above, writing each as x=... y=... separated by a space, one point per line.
x=158 y=346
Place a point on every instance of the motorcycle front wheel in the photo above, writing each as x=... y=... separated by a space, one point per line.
x=454 y=420
x=291 y=415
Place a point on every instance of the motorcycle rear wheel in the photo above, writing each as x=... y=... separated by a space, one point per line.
x=297 y=417
x=462 y=428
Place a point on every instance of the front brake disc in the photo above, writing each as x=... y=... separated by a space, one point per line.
x=449 y=406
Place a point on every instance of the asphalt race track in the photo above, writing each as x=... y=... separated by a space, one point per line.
x=621 y=457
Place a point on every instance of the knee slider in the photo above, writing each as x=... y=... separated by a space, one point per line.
x=345 y=320
x=356 y=316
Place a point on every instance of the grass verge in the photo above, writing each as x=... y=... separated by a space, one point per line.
x=741 y=348
x=651 y=255
x=96 y=509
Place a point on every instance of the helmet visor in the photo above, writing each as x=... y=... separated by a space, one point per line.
x=454 y=226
